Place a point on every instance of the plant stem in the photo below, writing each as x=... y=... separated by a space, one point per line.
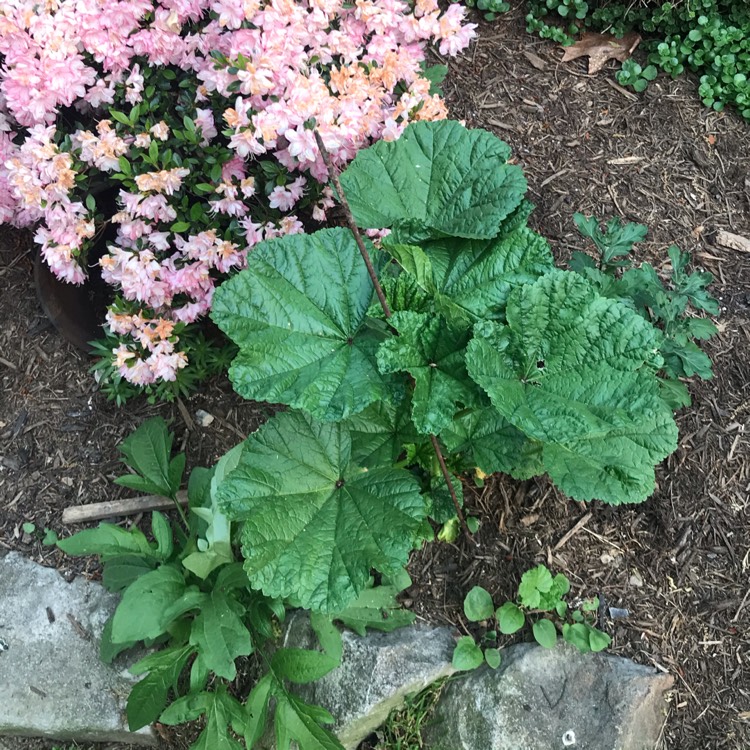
x=333 y=174
x=353 y=225
x=447 y=477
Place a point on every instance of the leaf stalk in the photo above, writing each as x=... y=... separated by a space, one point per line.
x=352 y=224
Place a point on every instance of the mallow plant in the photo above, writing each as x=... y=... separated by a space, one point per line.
x=454 y=345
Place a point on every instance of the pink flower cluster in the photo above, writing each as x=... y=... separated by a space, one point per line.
x=260 y=73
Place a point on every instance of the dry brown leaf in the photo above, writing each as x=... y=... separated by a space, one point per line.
x=535 y=60
x=602 y=47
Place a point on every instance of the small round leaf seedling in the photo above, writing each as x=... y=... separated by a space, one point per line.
x=467 y=655
x=478 y=605
x=545 y=633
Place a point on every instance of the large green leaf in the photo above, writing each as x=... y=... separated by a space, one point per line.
x=142 y=612
x=576 y=372
x=478 y=275
x=433 y=354
x=108 y=541
x=379 y=433
x=315 y=522
x=491 y=443
x=297 y=314
x=450 y=180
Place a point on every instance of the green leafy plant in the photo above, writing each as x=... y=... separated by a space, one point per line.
x=48 y=537
x=454 y=345
x=540 y=601
x=187 y=594
x=491 y=9
x=669 y=305
x=709 y=37
x=635 y=76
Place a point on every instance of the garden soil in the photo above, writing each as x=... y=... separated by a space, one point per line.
x=679 y=563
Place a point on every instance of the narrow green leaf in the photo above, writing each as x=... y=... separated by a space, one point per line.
x=162 y=532
x=256 y=711
x=147 y=450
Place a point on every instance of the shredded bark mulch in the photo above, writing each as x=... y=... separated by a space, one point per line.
x=679 y=563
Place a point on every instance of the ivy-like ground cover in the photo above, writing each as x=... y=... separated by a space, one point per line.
x=484 y=349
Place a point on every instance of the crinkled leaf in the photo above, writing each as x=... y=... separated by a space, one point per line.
x=433 y=354
x=297 y=315
x=141 y=612
x=452 y=180
x=489 y=442
x=379 y=433
x=576 y=372
x=220 y=635
x=441 y=508
x=475 y=275
x=315 y=523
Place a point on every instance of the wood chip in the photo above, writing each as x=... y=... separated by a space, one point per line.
x=579 y=525
x=733 y=241
x=125 y=507
x=535 y=60
x=624 y=160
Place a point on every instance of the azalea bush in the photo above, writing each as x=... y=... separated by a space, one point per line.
x=175 y=136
